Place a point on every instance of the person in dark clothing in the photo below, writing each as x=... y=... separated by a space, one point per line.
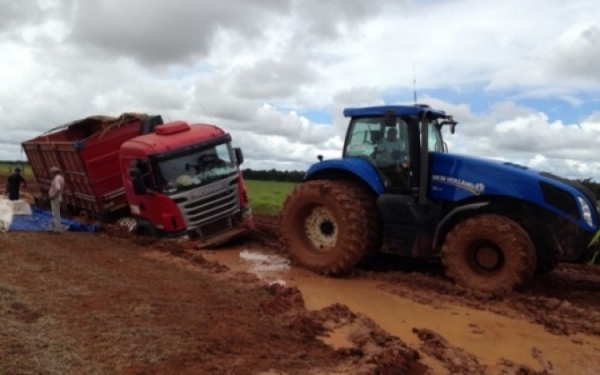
x=13 y=185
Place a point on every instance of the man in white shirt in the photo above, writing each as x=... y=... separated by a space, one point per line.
x=55 y=195
x=390 y=146
x=392 y=156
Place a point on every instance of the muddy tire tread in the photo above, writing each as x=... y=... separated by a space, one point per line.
x=358 y=225
x=520 y=255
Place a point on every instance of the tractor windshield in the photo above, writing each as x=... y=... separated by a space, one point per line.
x=201 y=166
x=385 y=145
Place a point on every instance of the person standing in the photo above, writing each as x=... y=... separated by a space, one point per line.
x=55 y=195
x=13 y=184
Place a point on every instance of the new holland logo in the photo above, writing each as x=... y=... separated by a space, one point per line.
x=475 y=188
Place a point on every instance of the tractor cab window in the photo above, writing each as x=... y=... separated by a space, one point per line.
x=435 y=142
x=386 y=146
x=362 y=137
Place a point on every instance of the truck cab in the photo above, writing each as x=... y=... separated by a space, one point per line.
x=397 y=190
x=184 y=180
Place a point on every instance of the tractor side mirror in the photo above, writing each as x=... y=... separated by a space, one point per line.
x=452 y=128
x=320 y=157
x=239 y=156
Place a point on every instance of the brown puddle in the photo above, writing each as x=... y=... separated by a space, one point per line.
x=487 y=335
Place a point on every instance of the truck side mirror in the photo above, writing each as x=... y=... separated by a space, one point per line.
x=139 y=187
x=239 y=156
x=320 y=157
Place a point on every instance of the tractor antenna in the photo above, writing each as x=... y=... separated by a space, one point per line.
x=414 y=83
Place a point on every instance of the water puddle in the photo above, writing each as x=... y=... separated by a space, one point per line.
x=487 y=335
x=264 y=265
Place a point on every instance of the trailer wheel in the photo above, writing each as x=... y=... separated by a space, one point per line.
x=323 y=226
x=490 y=253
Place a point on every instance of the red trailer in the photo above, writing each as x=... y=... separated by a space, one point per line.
x=87 y=152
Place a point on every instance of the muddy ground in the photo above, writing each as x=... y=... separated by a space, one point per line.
x=91 y=303
x=82 y=303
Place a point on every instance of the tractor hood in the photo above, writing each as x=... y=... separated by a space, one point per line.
x=457 y=177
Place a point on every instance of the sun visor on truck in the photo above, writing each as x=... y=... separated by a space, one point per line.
x=150 y=122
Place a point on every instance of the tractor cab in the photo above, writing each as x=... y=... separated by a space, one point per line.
x=396 y=141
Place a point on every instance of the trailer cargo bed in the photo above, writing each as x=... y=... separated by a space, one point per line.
x=87 y=152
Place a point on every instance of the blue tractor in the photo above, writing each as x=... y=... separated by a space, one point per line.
x=397 y=190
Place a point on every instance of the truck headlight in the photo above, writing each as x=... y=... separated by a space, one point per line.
x=586 y=211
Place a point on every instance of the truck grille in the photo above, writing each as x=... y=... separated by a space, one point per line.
x=208 y=208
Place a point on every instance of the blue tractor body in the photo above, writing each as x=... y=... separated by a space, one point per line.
x=457 y=178
x=423 y=196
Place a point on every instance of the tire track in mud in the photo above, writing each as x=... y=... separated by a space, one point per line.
x=565 y=301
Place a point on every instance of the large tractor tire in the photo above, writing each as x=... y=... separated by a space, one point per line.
x=490 y=253
x=328 y=226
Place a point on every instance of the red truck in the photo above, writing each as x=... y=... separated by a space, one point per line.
x=173 y=179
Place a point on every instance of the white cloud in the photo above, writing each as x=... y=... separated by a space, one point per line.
x=254 y=66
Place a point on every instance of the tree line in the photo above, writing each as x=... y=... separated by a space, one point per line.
x=592 y=185
x=297 y=176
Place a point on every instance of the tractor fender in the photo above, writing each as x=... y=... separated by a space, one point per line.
x=358 y=167
x=452 y=214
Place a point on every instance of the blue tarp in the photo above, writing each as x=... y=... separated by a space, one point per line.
x=41 y=220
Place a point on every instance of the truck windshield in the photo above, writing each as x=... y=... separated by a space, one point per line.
x=196 y=168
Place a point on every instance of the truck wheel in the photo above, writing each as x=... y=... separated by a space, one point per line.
x=324 y=226
x=146 y=233
x=490 y=253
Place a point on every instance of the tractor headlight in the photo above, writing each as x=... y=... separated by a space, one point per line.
x=586 y=211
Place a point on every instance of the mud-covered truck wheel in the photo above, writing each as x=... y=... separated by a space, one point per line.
x=325 y=226
x=488 y=252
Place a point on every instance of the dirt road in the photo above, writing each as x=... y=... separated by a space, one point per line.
x=94 y=304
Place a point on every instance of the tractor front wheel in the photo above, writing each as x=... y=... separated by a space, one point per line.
x=490 y=253
x=326 y=226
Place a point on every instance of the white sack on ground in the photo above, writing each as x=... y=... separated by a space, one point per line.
x=6 y=214
x=10 y=208
x=21 y=208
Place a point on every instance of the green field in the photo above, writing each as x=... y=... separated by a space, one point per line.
x=6 y=168
x=267 y=197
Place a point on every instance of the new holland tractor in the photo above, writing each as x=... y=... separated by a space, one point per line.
x=397 y=190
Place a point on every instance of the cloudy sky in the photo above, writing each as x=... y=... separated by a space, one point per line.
x=521 y=77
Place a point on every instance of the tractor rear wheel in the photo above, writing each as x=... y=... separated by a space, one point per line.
x=328 y=226
x=490 y=253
